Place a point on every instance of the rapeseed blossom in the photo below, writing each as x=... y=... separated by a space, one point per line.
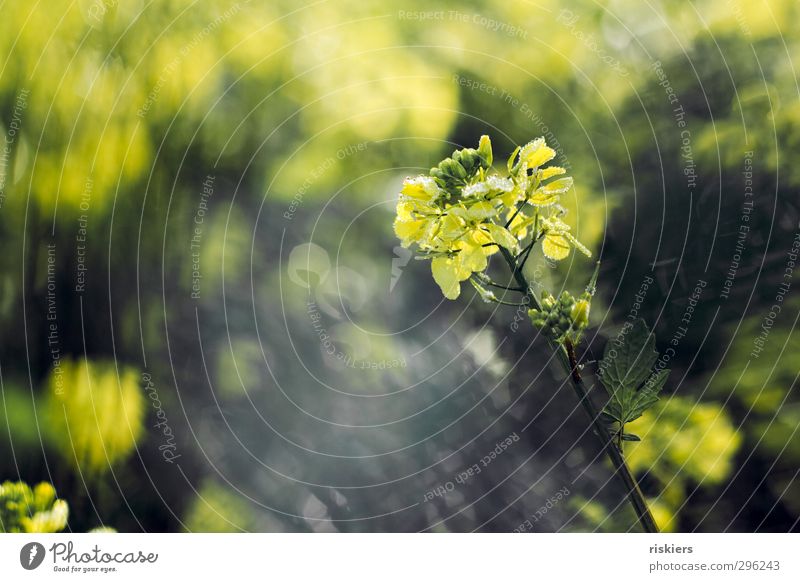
x=463 y=212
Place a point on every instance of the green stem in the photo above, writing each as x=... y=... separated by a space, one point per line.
x=566 y=356
x=498 y=285
x=513 y=216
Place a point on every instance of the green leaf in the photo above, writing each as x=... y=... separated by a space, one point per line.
x=607 y=418
x=629 y=362
x=626 y=371
x=511 y=159
x=647 y=395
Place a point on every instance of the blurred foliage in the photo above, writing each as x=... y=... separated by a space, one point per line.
x=118 y=111
x=690 y=441
x=756 y=389
x=685 y=445
x=27 y=510
x=217 y=510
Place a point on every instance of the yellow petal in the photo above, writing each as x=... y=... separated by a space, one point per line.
x=536 y=153
x=555 y=247
x=451 y=227
x=519 y=225
x=481 y=210
x=542 y=198
x=502 y=237
x=410 y=231
x=510 y=199
x=404 y=210
x=578 y=245
x=445 y=274
x=471 y=258
x=420 y=188
x=458 y=210
x=557 y=186
x=479 y=237
x=551 y=171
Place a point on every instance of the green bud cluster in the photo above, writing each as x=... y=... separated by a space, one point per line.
x=455 y=172
x=563 y=317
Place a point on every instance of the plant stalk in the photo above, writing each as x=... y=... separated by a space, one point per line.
x=566 y=356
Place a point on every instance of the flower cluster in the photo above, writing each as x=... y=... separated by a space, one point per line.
x=27 y=510
x=463 y=212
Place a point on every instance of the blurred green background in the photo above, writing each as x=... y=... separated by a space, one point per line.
x=206 y=322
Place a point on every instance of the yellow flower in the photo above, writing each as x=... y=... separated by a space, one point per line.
x=458 y=226
x=411 y=231
x=501 y=237
x=415 y=221
x=549 y=194
x=417 y=211
x=555 y=246
x=491 y=186
x=448 y=272
x=449 y=228
x=53 y=520
x=558 y=240
x=472 y=253
x=536 y=153
x=468 y=256
x=421 y=188
x=27 y=510
x=411 y=227
x=98 y=419
x=549 y=172
x=465 y=223
x=474 y=212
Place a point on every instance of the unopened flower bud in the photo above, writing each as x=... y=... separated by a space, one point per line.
x=580 y=314
x=485 y=152
x=548 y=301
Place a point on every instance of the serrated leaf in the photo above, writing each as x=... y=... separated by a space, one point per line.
x=629 y=362
x=647 y=395
x=626 y=371
x=606 y=417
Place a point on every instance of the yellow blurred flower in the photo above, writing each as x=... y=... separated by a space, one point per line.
x=94 y=412
x=27 y=510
